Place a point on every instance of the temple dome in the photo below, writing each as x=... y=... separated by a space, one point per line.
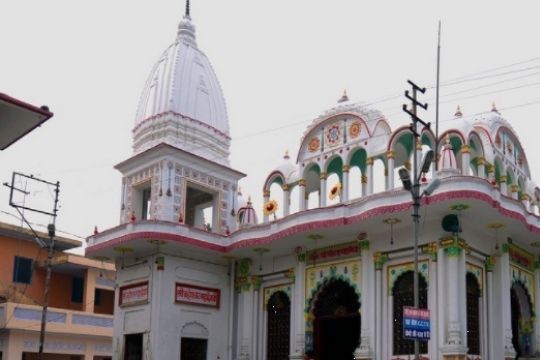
x=182 y=103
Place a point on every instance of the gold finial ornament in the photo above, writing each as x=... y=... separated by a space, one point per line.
x=458 y=112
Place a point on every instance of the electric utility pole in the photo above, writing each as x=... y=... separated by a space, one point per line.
x=51 y=229
x=415 y=190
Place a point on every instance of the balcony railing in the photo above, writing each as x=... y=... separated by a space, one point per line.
x=28 y=317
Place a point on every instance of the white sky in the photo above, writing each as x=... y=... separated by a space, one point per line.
x=280 y=64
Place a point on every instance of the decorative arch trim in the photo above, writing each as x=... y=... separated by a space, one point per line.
x=195 y=329
x=395 y=272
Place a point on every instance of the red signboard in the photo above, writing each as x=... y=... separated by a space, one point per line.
x=134 y=294
x=197 y=295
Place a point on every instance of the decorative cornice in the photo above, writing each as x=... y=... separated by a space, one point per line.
x=379 y=259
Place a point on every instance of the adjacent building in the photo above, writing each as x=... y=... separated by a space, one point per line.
x=328 y=274
x=80 y=313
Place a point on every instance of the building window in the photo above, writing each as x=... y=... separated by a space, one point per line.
x=193 y=349
x=201 y=208
x=142 y=201
x=403 y=295
x=279 y=320
x=77 y=289
x=22 y=270
x=97 y=297
x=473 y=315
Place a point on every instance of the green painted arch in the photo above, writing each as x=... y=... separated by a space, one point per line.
x=359 y=158
x=335 y=166
x=320 y=286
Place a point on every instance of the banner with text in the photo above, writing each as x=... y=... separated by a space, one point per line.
x=197 y=295
x=416 y=324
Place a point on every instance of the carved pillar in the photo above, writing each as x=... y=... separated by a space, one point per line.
x=379 y=260
x=490 y=334
x=365 y=346
x=481 y=163
x=504 y=187
x=390 y=169
x=364 y=181
x=455 y=326
x=297 y=351
x=514 y=191
x=266 y=197
x=503 y=266
x=465 y=159
x=322 y=190
x=369 y=171
x=286 y=199
x=302 y=195
x=345 y=187
x=245 y=350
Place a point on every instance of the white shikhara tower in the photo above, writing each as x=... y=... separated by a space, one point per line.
x=179 y=171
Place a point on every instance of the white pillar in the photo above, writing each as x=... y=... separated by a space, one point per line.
x=345 y=187
x=390 y=170
x=365 y=282
x=322 y=190
x=364 y=180
x=369 y=171
x=379 y=260
x=465 y=160
x=490 y=334
x=481 y=162
x=302 y=195
x=506 y=308
x=514 y=188
x=504 y=187
x=491 y=174
x=298 y=334
x=286 y=200
x=433 y=346
x=266 y=197
x=455 y=340
x=537 y=311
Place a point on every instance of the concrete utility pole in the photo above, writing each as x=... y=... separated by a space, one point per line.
x=51 y=229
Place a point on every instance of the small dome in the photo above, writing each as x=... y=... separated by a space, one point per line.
x=447 y=162
x=247 y=216
x=182 y=103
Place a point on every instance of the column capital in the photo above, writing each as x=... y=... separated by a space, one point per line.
x=465 y=149
x=323 y=175
x=364 y=179
x=379 y=259
x=385 y=171
x=345 y=168
x=369 y=161
x=480 y=161
x=390 y=154
x=285 y=187
x=489 y=263
x=302 y=182
x=266 y=193
x=363 y=245
x=514 y=188
x=418 y=145
x=407 y=165
x=502 y=179
x=490 y=168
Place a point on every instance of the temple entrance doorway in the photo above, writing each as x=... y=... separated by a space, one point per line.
x=522 y=320
x=337 y=322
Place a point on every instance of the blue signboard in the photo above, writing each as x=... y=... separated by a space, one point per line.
x=416 y=323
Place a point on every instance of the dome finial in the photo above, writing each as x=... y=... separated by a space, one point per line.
x=458 y=112
x=494 y=108
x=344 y=97
x=286 y=156
x=187 y=14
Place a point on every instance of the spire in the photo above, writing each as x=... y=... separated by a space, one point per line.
x=458 y=112
x=186 y=30
x=187 y=14
x=344 y=97
x=286 y=156
x=494 y=108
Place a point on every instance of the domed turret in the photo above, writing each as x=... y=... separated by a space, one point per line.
x=247 y=216
x=182 y=103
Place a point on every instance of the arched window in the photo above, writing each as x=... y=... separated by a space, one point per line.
x=403 y=295
x=473 y=315
x=279 y=315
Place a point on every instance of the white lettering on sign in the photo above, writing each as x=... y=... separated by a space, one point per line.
x=134 y=294
x=191 y=294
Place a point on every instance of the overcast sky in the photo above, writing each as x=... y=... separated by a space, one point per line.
x=280 y=63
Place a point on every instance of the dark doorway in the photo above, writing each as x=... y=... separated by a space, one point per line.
x=193 y=349
x=473 y=315
x=337 y=322
x=133 y=347
x=403 y=295
x=279 y=320
x=522 y=320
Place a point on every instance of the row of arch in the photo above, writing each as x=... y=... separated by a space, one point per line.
x=335 y=311
x=358 y=173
